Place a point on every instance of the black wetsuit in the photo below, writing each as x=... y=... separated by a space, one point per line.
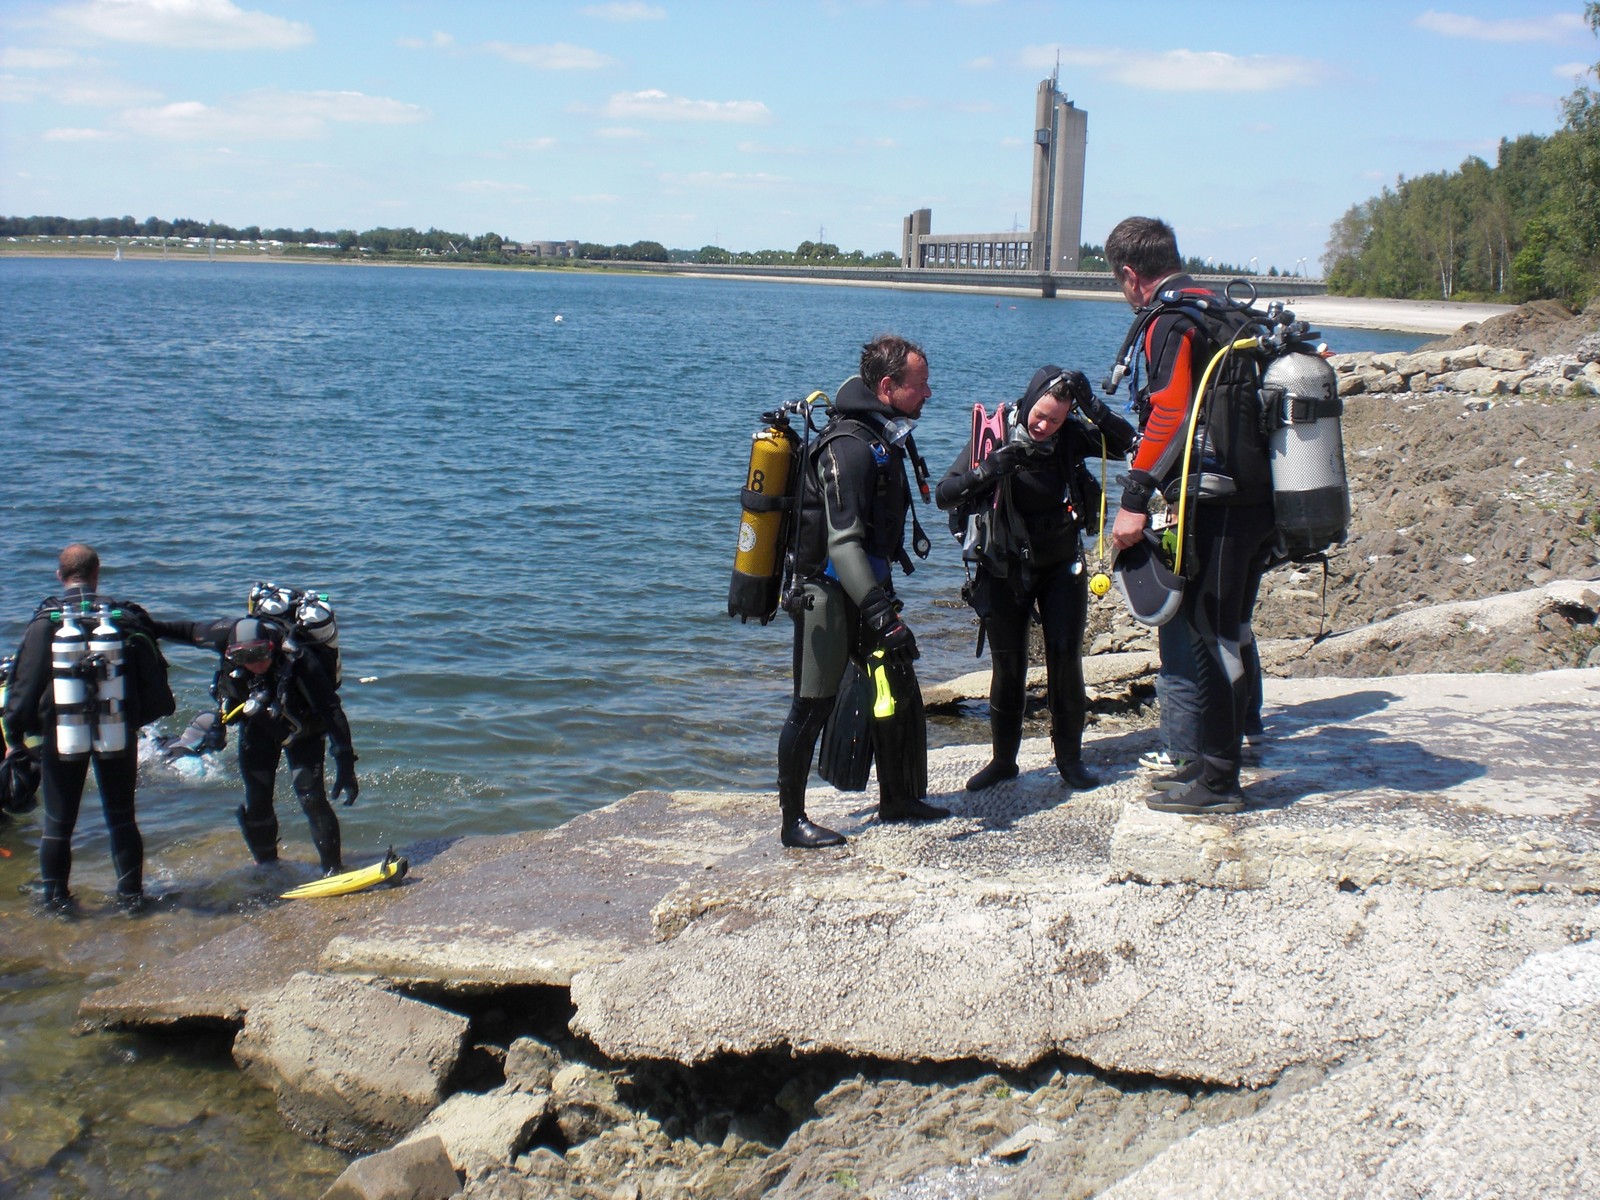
x=1230 y=537
x=30 y=713
x=299 y=718
x=854 y=499
x=1032 y=559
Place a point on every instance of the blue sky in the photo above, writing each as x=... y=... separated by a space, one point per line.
x=1250 y=126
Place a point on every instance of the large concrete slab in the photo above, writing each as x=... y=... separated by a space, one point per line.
x=1368 y=887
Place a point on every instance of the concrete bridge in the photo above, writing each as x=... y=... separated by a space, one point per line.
x=1040 y=283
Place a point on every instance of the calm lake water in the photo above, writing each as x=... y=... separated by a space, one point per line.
x=526 y=527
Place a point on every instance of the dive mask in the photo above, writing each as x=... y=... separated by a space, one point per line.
x=897 y=429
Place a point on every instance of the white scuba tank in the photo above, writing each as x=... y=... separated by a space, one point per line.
x=1310 y=494
x=70 y=690
x=315 y=622
x=106 y=646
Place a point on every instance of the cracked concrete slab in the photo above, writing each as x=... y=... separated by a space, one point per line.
x=1414 y=838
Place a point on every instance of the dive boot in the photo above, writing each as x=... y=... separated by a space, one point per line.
x=1005 y=731
x=261 y=837
x=910 y=810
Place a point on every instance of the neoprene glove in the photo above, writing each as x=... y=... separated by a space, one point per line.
x=344 y=779
x=890 y=634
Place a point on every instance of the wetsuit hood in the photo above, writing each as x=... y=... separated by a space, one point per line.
x=1037 y=386
x=856 y=399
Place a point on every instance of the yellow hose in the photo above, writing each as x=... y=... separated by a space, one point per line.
x=1188 y=448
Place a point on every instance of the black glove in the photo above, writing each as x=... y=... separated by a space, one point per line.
x=1001 y=462
x=887 y=631
x=344 y=778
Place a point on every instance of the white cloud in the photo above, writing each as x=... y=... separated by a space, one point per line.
x=539 y=143
x=105 y=93
x=77 y=135
x=985 y=63
x=17 y=58
x=732 y=181
x=183 y=24
x=1183 y=70
x=1573 y=72
x=876 y=143
x=622 y=12
x=558 y=56
x=268 y=115
x=596 y=198
x=1557 y=27
x=436 y=40
x=764 y=148
x=488 y=186
x=653 y=105
x=619 y=133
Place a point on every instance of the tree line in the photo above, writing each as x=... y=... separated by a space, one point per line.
x=1526 y=228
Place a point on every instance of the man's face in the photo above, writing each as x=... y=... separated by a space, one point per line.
x=910 y=392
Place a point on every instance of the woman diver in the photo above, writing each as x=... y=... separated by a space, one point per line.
x=1025 y=501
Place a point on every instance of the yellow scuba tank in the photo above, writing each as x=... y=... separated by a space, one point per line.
x=764 y=522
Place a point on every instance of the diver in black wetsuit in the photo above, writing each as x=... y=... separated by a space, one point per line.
x=286 y=707
x=1035 y=496
x=853 y=503
x=30 y=728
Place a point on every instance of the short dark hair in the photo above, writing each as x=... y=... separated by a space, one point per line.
x=1147 y=244
x=78 y=561
x=885 y=357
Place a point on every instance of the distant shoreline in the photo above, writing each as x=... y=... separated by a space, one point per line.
x=1347 y=312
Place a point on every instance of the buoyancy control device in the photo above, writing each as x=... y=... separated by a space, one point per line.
x=1292 y=399
x=765 y=567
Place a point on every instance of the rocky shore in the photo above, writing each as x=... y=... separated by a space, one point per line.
x=1382 y=978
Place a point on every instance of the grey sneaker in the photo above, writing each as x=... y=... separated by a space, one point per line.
x=1160 y=760
x=1197 y=800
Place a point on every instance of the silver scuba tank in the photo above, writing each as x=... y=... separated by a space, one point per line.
x=1305 y=446
x=106 y=645
x=315 y=622
x=70 y=690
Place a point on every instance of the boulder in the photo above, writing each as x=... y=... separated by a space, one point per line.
x=417 y=1170
x=480 y=1132
x=352 y=1065
x=1505 y=359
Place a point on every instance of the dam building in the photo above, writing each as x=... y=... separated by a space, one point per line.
x=1055 y=212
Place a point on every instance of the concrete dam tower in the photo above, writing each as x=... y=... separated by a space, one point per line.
x=1060 y=146
x=1050 y=244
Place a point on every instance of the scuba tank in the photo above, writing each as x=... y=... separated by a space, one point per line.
x=314 y=621
x=270 y=600
x=764 y=523
x=1310 y=494
x=70 y=690
x=105 y=658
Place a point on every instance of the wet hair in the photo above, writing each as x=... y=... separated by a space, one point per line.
x=1147 y=244
x=886 y=357
x=80 y=562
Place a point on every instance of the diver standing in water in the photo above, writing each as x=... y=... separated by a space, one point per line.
x=853 y=502
x=1034 y=496
x=75 y=698
x=286 y=706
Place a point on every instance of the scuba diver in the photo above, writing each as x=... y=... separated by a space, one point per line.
x=286 y=706
x=1031 y=496
x=76 y=696
x=853 y=502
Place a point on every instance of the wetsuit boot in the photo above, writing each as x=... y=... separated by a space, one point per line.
x=1005 y=734
x=260 y=835
x=1068 y=710
x=807 y=715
